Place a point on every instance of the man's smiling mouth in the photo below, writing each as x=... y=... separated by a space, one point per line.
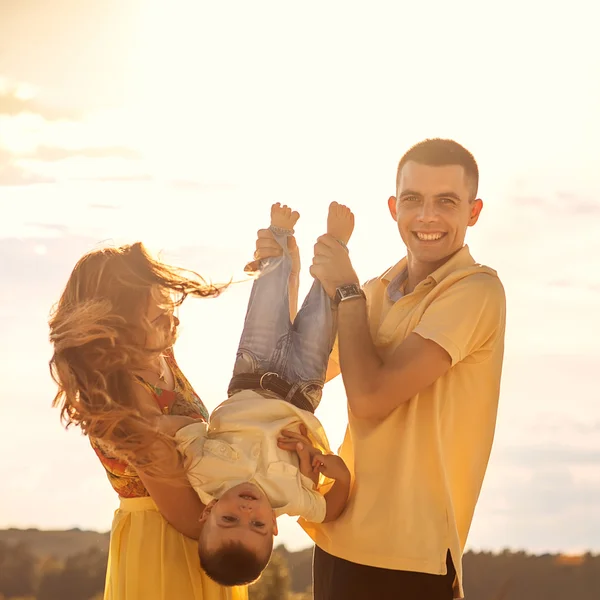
x=429 y=237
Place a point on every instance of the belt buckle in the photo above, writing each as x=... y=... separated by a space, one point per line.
x=263 y=376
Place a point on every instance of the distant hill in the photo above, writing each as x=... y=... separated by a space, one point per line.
x=55 y=544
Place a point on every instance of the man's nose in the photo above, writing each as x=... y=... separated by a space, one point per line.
x=428 y=211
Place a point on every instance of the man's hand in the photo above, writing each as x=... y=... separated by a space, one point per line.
x=267 y=247
x=331 y=265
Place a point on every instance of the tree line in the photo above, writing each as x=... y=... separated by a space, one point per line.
x=488 y=576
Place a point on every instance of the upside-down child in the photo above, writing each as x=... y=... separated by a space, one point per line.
x=263 y=452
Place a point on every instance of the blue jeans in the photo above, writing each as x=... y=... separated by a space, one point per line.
x=298 y=352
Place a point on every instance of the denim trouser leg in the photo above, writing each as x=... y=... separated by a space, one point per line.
x=265 y=338
x=298 y=353
x=313 y=336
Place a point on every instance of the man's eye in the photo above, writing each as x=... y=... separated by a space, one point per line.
x=447 y=201
x=229 y=519
x=259 y=524
x=409 y=198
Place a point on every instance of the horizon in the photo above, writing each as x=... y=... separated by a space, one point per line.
x=181 y=125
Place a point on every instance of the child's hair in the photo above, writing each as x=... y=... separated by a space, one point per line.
x=233 y=564
x=99 y=331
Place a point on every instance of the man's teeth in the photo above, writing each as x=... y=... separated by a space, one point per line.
x=427 y=237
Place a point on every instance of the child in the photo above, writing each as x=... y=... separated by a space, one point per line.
x=263 y=451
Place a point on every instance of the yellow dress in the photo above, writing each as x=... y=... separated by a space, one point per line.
x=149 y=559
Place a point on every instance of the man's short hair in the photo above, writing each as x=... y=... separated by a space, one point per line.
x=232 y=564
x=439 y=152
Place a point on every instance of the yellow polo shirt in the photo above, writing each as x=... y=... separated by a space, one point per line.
x=418 y=473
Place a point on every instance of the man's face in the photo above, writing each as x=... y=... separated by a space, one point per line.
x=432 y=208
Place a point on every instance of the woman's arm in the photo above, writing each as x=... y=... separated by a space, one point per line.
x=178 y=504
x=176 y=500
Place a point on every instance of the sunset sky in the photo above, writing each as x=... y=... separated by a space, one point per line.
x=179 y=123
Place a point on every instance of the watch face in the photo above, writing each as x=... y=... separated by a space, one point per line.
x=349 y=290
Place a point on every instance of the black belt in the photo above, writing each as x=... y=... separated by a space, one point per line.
x=272 y=383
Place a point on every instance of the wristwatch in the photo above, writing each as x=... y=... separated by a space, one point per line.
x=347 y=292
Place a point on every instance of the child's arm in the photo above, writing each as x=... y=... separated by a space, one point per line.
x=312 y=463
x=335 y=468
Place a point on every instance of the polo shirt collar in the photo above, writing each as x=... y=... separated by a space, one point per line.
x=462 y=259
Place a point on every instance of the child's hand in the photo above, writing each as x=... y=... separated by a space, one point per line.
x=312 y=461
x=292 y=441
x=331 y=466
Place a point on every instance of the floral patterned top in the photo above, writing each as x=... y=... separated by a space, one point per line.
x=181 y=401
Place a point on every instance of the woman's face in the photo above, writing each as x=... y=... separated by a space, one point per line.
x=163 y=322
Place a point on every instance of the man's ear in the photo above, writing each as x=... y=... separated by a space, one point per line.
x=393 y=207
x=476 y=208
x=275 y=528
x=206 y=512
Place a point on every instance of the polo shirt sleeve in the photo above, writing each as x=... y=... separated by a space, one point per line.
x=466 y=317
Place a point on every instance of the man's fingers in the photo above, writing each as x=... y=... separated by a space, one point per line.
x=323 y=249
x=328 y=241
x=320 y=259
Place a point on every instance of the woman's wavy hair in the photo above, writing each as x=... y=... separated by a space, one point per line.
x=100 y=331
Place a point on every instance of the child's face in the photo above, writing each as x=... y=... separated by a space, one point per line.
x=243 y=514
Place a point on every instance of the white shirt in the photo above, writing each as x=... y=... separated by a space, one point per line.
x=240 y=444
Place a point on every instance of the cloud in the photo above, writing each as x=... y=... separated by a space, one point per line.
x=116 y=179
x=12 y=104
x=54 y=153
x=13 y=174
x=542 y=456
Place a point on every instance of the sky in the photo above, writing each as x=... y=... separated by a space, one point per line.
x=180 y=123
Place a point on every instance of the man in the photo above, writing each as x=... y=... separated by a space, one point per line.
x=420 y=350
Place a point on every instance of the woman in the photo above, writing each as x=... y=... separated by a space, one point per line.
x=112 y=332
